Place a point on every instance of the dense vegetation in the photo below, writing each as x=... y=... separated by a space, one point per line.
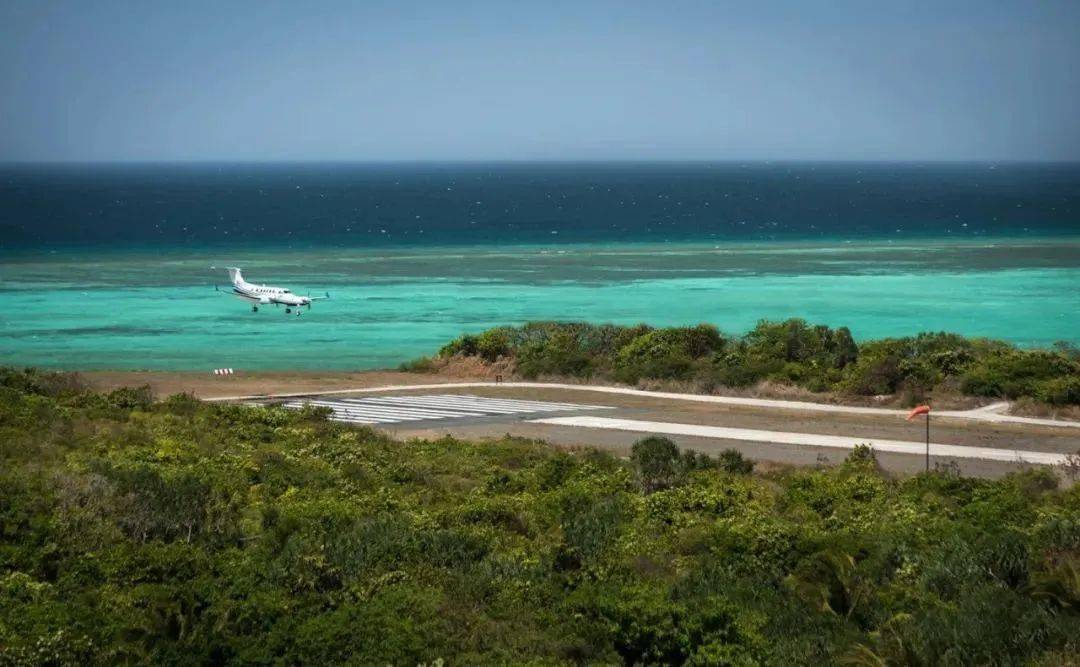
x=182 y=532
x=816 y=358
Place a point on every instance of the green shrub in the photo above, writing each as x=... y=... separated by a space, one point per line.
x=1015 y=373
x=127 y=398
x=737 y=368
x=493 y=343
x=690 y=460
x=666 y=353
x=590 y=524
x=1058 y=391
x=861 y=454
x=418 y=365
x=814 y=357
x=656 y=459
x=183 y=404
x=732 y=461
x=193 y=532
x=561 y=354
x=646 y=629
x=796 y=341
x=873 y=375
x=465 y=345
x=42 y=383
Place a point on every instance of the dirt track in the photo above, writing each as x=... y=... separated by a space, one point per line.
x=207 y=385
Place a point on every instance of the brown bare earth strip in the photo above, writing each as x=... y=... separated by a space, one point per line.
x=207 y=385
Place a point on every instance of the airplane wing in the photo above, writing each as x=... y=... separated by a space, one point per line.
x=319 y=298
x=245 y=297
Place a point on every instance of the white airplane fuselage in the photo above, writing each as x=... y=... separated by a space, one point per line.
x=265 y=294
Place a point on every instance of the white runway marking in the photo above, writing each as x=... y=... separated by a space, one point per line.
x=397 y=409
x=991 y=413
x=808 y=439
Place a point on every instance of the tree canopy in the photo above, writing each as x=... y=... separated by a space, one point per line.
x=815 y=357
x=178 y=532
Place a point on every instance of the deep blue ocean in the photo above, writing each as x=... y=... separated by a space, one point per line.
x=490 y=204
x=114 y=266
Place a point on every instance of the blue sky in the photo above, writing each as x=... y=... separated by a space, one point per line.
x=844 y=80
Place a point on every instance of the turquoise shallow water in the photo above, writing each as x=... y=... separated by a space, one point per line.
x=158 y=310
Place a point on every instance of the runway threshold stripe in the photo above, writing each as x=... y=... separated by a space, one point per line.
x=348 y=420
x=367 y=419
x=381 y=409
x=409 y=410
x=388 y=415
x=428 y=400
x=361 y=419
x=806 y=439
x=495 y=408
x=363 y=414
x=480 y=402
x=397 y=409
x=378 y=402
x=458 y=405
x=360 y=414
x=519 y=402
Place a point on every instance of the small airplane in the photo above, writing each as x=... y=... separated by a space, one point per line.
x=263 y=295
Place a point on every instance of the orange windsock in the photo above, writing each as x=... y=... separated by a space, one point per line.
x=919 y=410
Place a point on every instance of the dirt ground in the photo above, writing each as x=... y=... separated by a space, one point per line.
x=207 y=385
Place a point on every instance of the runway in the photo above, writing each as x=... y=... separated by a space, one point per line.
x=767 y=430
x=994 y=414
x=937 y=450
x=401 y=409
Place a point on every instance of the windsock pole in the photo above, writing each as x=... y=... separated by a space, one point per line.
x=923 y=410
x=927 y=441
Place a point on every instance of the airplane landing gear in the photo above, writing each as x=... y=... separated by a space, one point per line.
x=288 y=310
x=254 y=309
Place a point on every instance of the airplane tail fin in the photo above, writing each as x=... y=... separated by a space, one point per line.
x=234 y=275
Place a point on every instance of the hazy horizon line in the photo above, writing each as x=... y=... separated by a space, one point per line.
x=539 y=161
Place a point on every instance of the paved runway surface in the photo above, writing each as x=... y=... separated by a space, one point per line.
x=991 y=413
x=398 y=409
x=810 y=439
